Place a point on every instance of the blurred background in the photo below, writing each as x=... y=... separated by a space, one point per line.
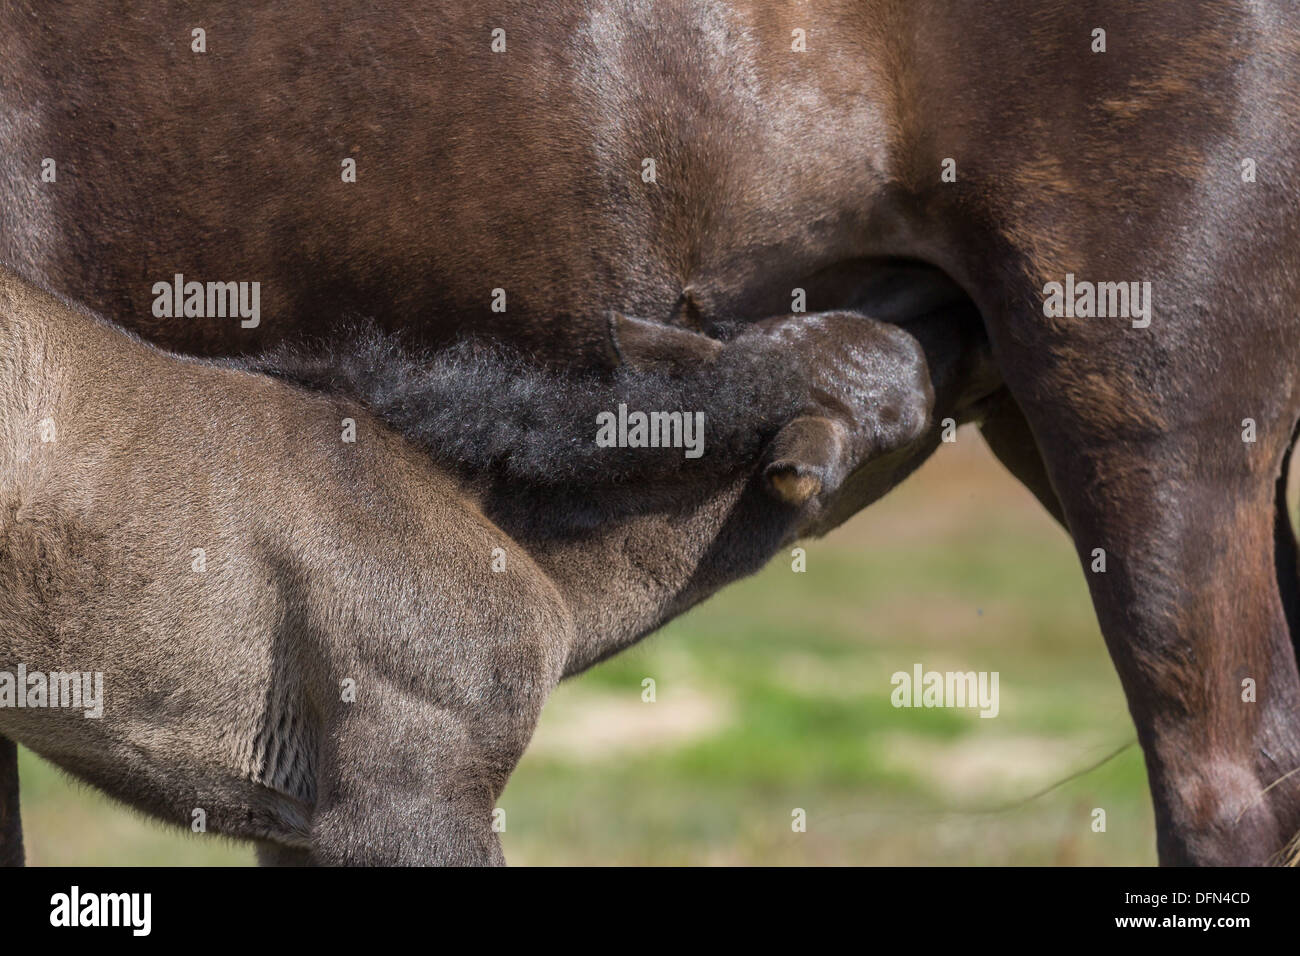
x=775 y=695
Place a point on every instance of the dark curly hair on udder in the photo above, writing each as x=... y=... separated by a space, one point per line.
x=492 y=414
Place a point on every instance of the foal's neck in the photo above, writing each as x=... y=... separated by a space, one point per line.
x=630 y=534
x=643 y=558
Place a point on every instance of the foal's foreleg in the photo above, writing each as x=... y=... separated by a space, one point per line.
x=274 y=854
x=411 y=785
x=11 y=826
x=411 y=770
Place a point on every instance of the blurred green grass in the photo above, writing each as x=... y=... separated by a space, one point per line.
x=774 y=696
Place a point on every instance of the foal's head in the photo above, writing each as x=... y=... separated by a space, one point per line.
x=805 y=400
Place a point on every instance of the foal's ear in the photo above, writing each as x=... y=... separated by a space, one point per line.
x=653 y=346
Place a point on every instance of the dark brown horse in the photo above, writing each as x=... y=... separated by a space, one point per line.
x=702 y=163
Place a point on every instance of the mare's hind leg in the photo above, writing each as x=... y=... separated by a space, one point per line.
x=1286 y=554
x=1147 y=456
x=1007 y=434
x=11 y=825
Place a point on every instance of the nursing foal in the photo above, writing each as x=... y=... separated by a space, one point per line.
x=332 y=638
